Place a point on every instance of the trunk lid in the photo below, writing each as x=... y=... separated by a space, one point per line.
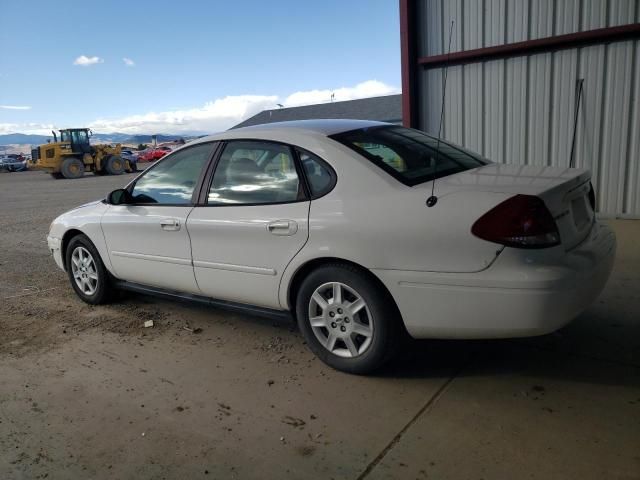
x=565 y=192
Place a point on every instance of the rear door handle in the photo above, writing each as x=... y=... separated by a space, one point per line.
x=170 y=224
x=282 y=227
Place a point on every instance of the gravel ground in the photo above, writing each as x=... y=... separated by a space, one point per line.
x=87 y=392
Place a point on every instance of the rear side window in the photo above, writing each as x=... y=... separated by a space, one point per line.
x=319 y=175
x=409 y=155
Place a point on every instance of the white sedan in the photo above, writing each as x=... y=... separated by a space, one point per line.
x=363 y=231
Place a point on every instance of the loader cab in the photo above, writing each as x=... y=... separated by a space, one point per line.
x=78 y=138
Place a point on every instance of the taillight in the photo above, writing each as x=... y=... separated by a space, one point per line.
x=522 y=221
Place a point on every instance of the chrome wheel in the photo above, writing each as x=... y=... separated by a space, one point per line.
x=84 y=270
x=340 y=320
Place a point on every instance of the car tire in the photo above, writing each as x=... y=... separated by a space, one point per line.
x=72 y=168
x=114 y=165
x=87 y=274
x=357 y=333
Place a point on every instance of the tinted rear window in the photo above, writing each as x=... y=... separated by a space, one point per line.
x=409 y=155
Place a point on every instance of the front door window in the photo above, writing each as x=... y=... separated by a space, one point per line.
x=172 y=181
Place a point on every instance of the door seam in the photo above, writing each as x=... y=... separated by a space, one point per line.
x=193 y=268
x=286 y=306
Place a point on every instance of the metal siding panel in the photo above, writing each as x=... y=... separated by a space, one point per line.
x=494 y=22
x=431 y=103
x=473 y=21
x=473 y=106
x=588 y=137
x=539 y=107
x=615 y=126
x=632 y=200
x=452 y=11
x=453 y=116
x=622 y=12
x=517 y=21
x=494 y=110
x=594 y=14
x=567 y=17
x=541 y=19
x=521 y=110
x=432 y=38
x=516 y=110
x=563 y=106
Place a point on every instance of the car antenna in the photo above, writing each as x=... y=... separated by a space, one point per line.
x=432 y=200
x=575 y=121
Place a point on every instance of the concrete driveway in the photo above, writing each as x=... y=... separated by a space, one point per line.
x=87 y=392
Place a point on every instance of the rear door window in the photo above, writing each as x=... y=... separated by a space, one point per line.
x=255 y=173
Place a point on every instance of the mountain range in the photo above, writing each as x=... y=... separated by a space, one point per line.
x=26 y=139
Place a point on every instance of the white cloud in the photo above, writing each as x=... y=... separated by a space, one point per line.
x=29 y=128
x=370 y=88
x=219 y=114
x=226 y=112
x=85 y=61
x=128 y=62
x=15 y=107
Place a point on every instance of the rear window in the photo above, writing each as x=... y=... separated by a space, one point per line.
x=409 y=155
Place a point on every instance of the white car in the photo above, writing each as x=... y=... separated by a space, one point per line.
x=363 y=231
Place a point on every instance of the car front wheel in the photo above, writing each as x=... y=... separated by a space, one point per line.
x=88 y=275
x=348 y=320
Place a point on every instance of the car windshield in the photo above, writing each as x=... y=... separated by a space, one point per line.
x=409 y=155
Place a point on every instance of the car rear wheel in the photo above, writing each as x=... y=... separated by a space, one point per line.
x=348 y=320
x=88 y=275
x=72 y=168
x=114 y=165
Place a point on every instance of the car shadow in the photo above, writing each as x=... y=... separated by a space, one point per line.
x=579 y=353
x=599 y=347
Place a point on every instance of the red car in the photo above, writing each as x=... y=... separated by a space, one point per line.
x=153 y=154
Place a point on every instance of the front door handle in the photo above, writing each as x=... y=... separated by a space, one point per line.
x=282 y=227
x=170 y=224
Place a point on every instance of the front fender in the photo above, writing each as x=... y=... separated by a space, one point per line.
x=87 y=220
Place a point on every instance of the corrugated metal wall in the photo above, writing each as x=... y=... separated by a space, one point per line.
x=521 y=110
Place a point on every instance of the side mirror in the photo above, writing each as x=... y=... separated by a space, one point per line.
x=119 y=197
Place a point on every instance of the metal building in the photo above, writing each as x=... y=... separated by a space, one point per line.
x=387 y=108
x=514 y=75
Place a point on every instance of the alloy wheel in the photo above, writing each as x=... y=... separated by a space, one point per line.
x=341 y=320
x=84 y=270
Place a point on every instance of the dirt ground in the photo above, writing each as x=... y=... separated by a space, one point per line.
x=87 y=392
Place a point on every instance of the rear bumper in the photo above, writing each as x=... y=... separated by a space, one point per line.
x=523 y=293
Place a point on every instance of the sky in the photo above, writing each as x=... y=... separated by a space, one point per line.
x=188 y=66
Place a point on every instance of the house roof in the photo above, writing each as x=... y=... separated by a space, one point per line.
x=383 y=109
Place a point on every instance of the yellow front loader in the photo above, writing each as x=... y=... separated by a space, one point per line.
x=73 y=155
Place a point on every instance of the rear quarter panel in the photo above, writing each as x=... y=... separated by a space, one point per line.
x=371 y=219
